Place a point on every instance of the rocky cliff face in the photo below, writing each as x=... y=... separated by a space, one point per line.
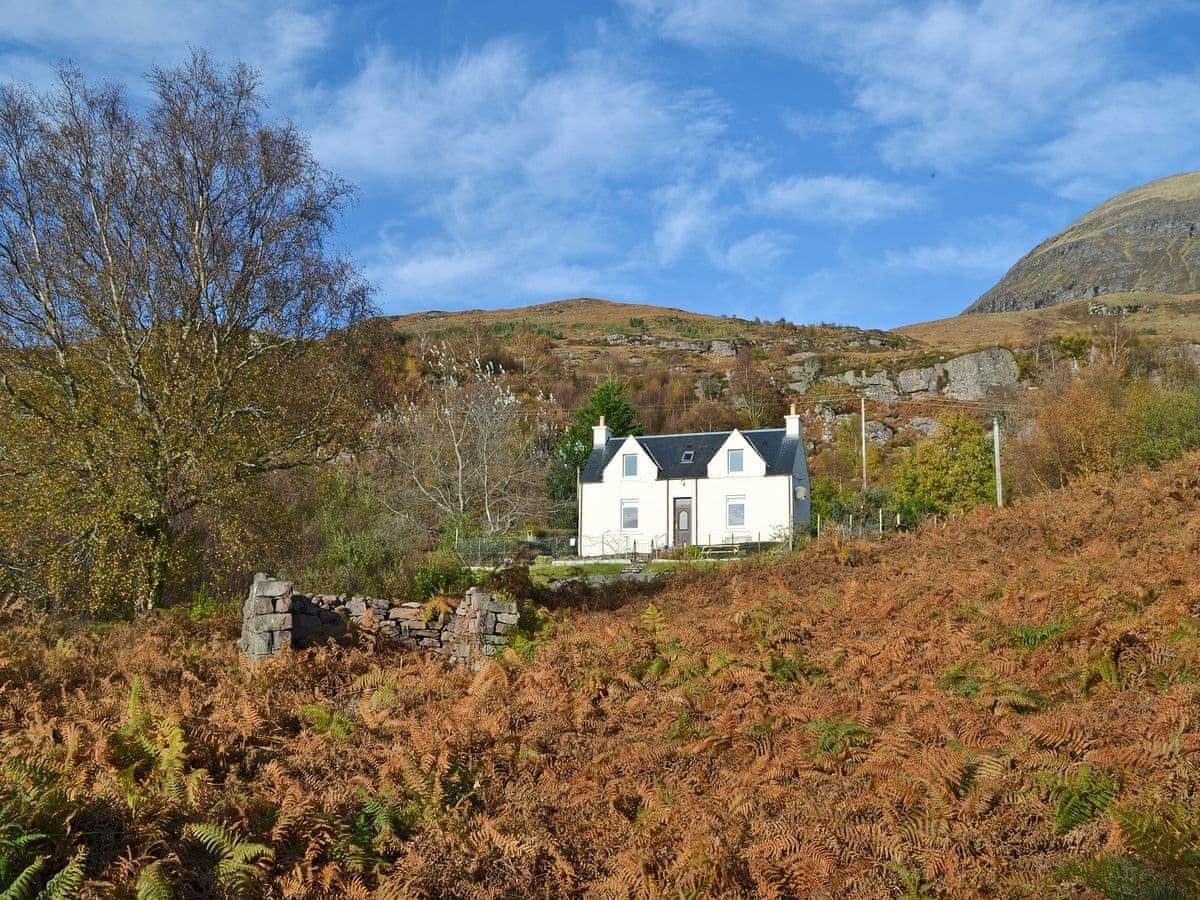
x=1144 y=240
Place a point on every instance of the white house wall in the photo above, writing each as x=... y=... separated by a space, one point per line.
x=768 y=508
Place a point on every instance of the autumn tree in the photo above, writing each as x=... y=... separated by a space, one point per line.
x=1100 y=421
x=463 y=454
x=950 y=472
x=609 y=400
x=164 y=282
x=752 y=392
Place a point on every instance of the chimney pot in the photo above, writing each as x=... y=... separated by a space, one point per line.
x=791 y=424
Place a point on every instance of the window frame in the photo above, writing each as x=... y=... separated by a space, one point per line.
x=731 y=500
x=631 y=503
x=741 y=456
x=625 y=460
x=687 y=457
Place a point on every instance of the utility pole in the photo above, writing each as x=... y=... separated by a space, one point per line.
x=996 y=460
x=862 y=421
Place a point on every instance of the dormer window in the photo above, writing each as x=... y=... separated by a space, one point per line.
x=688 y=456
x=629 y=465
x=736 y=461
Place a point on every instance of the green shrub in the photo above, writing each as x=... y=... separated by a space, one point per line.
x=440 y=572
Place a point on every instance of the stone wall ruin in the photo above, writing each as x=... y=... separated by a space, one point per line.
x=275 y=616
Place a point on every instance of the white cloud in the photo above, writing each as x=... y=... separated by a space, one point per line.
x=837 y=198
x=796 y=28
x=687 y=218
x=755 y=256
x=952 y=83
x=981 y=259
x=1122 y=136
x=957 y=83
x=580 y=173
x=489 y=113
x=123 y=39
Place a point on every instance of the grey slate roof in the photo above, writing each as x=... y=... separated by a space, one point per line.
x=779 y=451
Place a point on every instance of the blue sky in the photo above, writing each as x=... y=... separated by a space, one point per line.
x=856 y=162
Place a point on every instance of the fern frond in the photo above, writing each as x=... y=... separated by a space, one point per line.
x=68 y=881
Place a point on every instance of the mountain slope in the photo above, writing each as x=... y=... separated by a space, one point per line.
x=1145 y=240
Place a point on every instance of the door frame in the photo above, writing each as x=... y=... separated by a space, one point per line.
x=680 y=504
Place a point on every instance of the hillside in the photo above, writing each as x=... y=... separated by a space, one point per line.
x=593 y=333
x=1142 y=241
x=962 y=711
x=1154 y=318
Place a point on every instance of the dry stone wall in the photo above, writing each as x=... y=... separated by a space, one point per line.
x=275 y=616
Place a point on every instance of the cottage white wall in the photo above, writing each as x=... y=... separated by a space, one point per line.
x=768 y=507
x=600 y=507
x=753 y=465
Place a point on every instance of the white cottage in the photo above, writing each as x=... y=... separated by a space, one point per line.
x=637 y=494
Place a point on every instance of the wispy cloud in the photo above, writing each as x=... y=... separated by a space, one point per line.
x=1122 y=136
x=123 y=39
x=838 y=198
x=950 y=83
x=973 y=259
x=580 y=171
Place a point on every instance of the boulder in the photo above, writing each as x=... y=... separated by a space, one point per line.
x=924 y=425
x=919 y=381
x=973 y=376
x=876 y=386
x=878 y=433
x=803 y=376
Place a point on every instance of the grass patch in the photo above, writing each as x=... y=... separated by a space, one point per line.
x=543 y=575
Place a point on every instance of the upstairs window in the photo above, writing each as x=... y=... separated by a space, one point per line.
x=629 y=465
x=688 y=456
x=735 y=511
x=629 y=515
x=735 y=461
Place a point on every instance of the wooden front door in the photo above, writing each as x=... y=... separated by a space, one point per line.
x=683 y=521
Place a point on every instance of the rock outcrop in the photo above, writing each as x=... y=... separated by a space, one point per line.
x=971 y=376
x=1144 y=240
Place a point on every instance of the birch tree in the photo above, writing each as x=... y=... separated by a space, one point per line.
x=164 y=283
x=463 y=454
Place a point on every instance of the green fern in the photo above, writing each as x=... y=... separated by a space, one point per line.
x=654 y=622
x=836 y=735
x=1078 y=797
x=914 y=884
x=328 y=722
x=68 y=881
x=21 y=883
x=378 y=827
x=1030 y=637
x=239 y=864
x=153 y=884
x=1163 y=861
x=789 y=669
x=962 y=680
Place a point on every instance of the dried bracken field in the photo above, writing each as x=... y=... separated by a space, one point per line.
x=1003 y=707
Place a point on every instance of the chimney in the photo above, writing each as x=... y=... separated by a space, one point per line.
x=791 y=424
x=600 y=434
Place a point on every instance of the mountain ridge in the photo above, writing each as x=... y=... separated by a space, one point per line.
x=1145 y=240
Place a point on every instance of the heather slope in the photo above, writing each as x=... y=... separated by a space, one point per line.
x=961 y=711
x=1144 y=241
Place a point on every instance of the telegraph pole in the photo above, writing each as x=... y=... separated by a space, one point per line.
x=996 y=460
x=862 y=421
